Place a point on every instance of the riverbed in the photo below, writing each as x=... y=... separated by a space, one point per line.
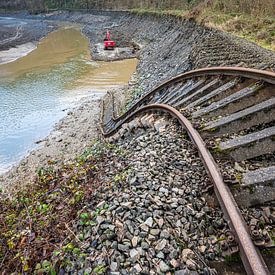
x=40 y=88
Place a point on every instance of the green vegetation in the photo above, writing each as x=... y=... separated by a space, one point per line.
x=254 y=22
x=258 y=29
x=234 y=258
x=38 y=232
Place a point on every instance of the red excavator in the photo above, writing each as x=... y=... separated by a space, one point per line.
x=108 y=43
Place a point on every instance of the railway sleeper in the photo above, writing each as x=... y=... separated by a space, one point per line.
x=186 y=89
x=256 y=187
x=200 y=92
x=240 y=100
x=169 y=90
x=260 y=176
x=220 y=90
x=241 y=84
x=258 y=194
x=238 y=105
x=183 y=93
x=261 y=113
x=249 y=146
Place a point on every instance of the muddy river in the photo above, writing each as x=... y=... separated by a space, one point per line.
x=38 y=89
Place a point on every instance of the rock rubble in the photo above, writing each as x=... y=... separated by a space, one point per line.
x=152 y=217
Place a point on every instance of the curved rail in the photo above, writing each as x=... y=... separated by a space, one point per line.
x=252 y=259
x=267 y=76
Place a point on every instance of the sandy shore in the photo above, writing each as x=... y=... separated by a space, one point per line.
x=17 y=52
x=68 y=139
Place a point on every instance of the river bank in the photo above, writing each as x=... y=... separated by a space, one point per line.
x=65 y=77
x=94 y=208
x=19 y=38
x=176 y=47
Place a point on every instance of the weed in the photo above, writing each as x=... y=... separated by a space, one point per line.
x=100 y=269
x=121 y=177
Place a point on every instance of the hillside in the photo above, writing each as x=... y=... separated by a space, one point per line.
x=253 y=21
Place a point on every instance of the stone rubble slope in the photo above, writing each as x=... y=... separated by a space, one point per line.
x=152 y=217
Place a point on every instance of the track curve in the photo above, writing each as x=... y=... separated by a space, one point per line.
x=233 y=71
x=201 y=86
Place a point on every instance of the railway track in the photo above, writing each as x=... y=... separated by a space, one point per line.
x=229 y=112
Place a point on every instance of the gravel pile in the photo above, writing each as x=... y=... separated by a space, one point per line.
x=152 y=217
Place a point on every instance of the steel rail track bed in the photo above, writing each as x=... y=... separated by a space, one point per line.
x=233 y=105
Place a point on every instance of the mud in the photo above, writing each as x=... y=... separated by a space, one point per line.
x=23 y=31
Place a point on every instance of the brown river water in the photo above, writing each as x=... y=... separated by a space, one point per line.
x=36 y=89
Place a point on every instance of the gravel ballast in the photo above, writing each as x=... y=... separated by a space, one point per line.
x=150 y=215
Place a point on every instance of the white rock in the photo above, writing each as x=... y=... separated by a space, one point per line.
x=100 y=219
x=149 y=222
x=163 y=266
x=163 y=190
x=191 y=264
x=113 y=266
x=144 y=227
x=187 y=254
x=160 y=222
x=138 y=268
x=202 y=248
x=134 y=254
x=135 y=241
x=178 y=223
x=101 y=204
x=174 y=263
x=127 y=204
x=161 y=244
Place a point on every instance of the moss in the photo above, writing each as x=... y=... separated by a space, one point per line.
x=268 y=252
x=239 y=177
x=251 y=189
x=235 y=258
x=121 y=177
x=236 y=186
x=217 y=149
x=212 y=130
x=100 y=269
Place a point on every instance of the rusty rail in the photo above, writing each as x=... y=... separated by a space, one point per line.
x=252 y=259
x=267 y=76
